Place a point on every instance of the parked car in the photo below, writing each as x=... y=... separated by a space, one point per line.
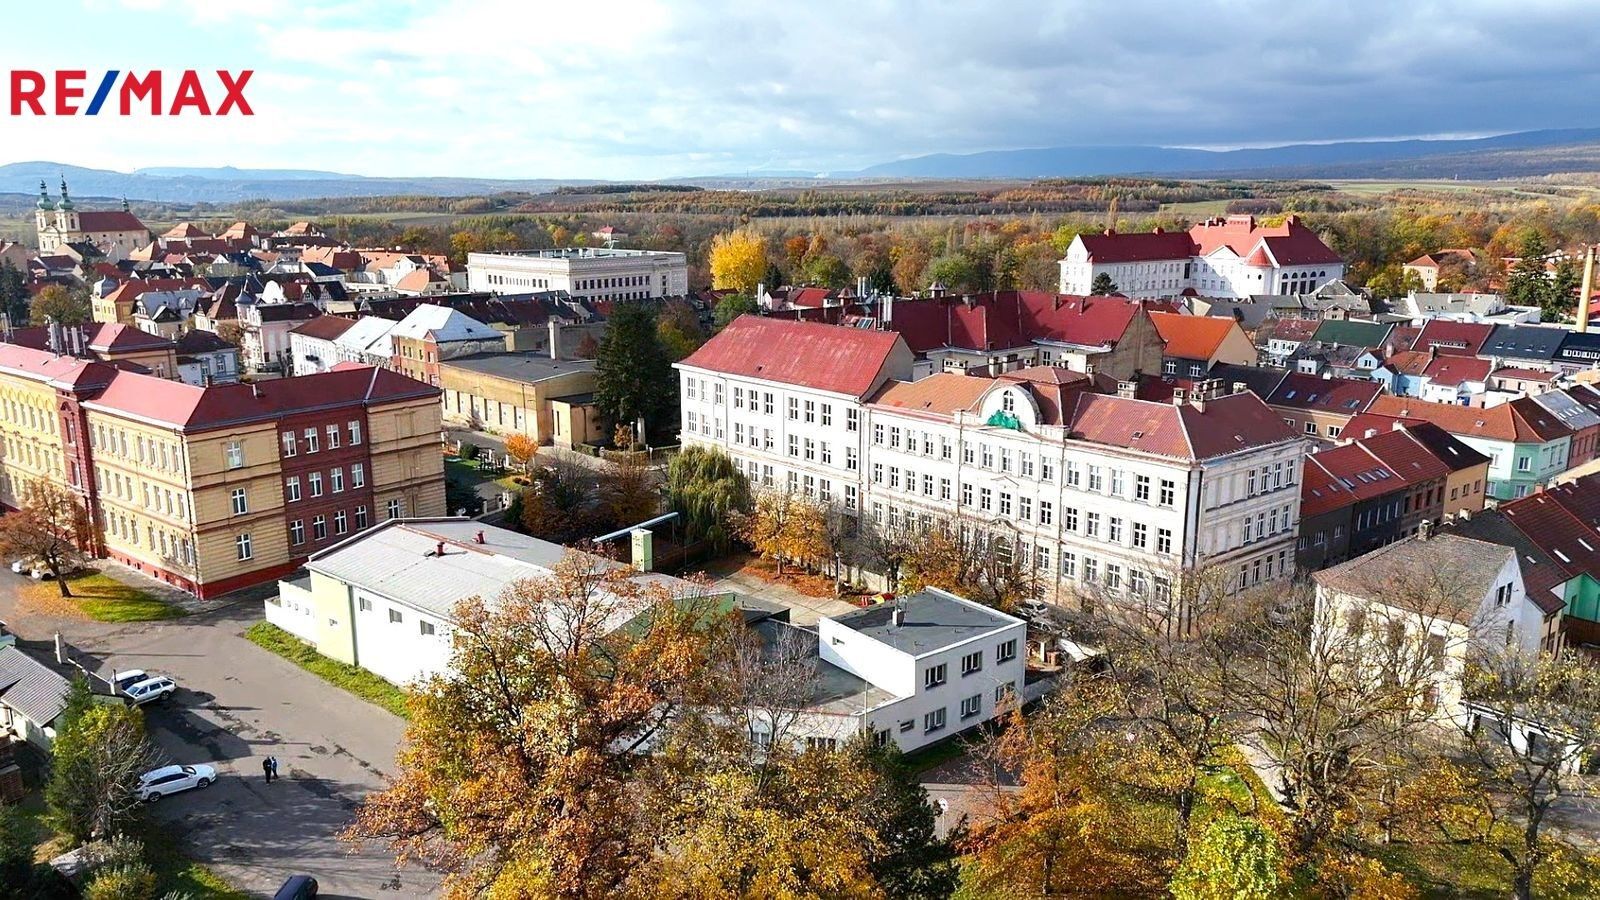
x=297 y=887
x=21 y=566
x=121 y=681
x=158 y=783
x=150 y=690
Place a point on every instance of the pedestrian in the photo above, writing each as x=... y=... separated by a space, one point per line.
x=274 y=766
x=266 y=768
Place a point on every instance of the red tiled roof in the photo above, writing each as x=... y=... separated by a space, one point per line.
x=1226 y=425
x=1523 y=374
x=324 y=327
x=1405 y=456
x=109 y=220
x=942 y=394
x=1320 y=491
x=1408 y=362
x=129 y=290
x=192 y=408
x=1294 y=329
x=1455 y=338
x=125 y=338
x=1346 y=396
x=1192 y=337
x=1520 y=421
x=1450 y=370
x=1291 y=244
x=1550 y=523
x=824 y=357
x=42 y=365
x=1365 y=476
x=1008 y=319
x=1149 y=246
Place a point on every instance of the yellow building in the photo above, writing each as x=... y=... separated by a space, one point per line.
x=549 y=400
x=215 y=488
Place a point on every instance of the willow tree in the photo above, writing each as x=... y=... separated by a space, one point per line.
x=706 y=487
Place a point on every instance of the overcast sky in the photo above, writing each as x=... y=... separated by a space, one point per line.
x=622 y=89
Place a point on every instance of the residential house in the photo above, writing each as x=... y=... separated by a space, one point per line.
x=1354 y=333
x=32 y=698
x=1527 y=445
x=1461 y=262
x=311 y=344
x=204 y=358
x=1457 y=380
x=1524 y=346
x=1283 y=337
x=430 y=334
x=264 y=333
x=1356 y=504
x=1513 y=380
x=1444 y=592
x=1193 y=344
x=1320 y=407
x=1452 y=338
x=1579 y=352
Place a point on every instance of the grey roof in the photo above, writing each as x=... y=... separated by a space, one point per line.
x=1469 y=565
x=1425 y=305
x=529 y=367
x=1259 y=380
x=934 y=620
x=1523 y=342
x=30 y=687
x=443 y=325
x=1542 y=576
x=398 y=560
x=833 y=690
x=1572 y=414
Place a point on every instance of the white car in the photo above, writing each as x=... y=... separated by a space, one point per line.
x=121 y=681
x=160 y=687
x=166 y=780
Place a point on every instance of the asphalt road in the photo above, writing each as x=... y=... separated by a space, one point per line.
x=239 y=704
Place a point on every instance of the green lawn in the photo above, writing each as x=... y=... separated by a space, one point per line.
x=358 y=681
x=104 y=599
x=176 y=873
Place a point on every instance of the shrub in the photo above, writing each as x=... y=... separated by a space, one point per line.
x=468 y=451
x=129 y=881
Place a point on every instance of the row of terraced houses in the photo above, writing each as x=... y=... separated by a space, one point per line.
x=215 y=488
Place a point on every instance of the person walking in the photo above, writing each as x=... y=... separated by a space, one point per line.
x=274 y=760
x=266 y=768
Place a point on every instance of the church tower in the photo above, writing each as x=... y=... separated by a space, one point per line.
x=66 y=216
x=41 y=217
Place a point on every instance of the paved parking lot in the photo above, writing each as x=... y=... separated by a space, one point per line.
x=239 y=704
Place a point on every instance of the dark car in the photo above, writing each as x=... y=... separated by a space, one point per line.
x=298 y=887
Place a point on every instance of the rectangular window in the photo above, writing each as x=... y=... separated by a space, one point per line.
x=241 y=503
x=233 y=453
x=1006 y=652
x=972 y=662
x=1114 y=530
x=426 y=628
x=291 y=487
x=315 y=479
x=361 y=518
x=933 y=676
x=1091 y=524
x=1141 y=535
x=395 y=617
x=852 y=419
x=363 y=604
x=1168 y=492
x=333 y=437
x=358 y=475
x=354 y=428
x=288 y=443
x=394 y=509
x=794 y=407
x=933 y=721
x=1047 y=512
x=242 y=545
x=319 y=527
x=341 y=523
x=1164 y=541
x=336 y=479
x=811 y=411
x=1069 y=565
x=971 y=706
x=297 y=533
x=1141 y=488
x=311 y=440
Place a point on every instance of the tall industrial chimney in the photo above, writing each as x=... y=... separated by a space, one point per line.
x=1587 y=290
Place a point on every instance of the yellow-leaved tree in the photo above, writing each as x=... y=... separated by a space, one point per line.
x=738 y=260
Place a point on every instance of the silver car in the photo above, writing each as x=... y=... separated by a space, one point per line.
x=154 y=785
x=150 y=690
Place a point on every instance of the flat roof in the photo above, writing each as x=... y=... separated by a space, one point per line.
x=833 y=690
x=578 y=253
x=933 y=621
x=528 y=366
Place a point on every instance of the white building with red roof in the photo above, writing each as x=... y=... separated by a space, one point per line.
x=1104 y=494
x=1228 y=257
x=115 y=233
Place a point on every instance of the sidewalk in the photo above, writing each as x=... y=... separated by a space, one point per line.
x=189 y=603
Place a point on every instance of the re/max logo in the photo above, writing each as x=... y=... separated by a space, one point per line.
x=185 y=92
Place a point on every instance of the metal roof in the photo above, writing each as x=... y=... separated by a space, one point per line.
x=30 y=687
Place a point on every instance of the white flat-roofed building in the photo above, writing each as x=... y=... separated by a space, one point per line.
x=588 y=273
x=911 y=672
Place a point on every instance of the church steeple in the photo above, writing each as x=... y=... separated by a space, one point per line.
x=44 y=196
x=66 y=202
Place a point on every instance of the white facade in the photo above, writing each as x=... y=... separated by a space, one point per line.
x=938 y=692
x=1220 y=273
x=1143 y=280
x=588 y=273
x=1090 y=516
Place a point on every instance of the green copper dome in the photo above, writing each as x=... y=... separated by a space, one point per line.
x=44 y=197
x=66 y=202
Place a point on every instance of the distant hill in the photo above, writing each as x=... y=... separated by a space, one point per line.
x=1344 y=159
x=230 y=185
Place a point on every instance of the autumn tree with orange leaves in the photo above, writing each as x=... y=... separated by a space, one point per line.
x=520 y=760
